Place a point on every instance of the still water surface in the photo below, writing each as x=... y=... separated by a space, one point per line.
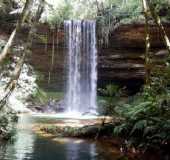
x=28 y=145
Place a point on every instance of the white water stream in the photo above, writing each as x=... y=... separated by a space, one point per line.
x=82 y=67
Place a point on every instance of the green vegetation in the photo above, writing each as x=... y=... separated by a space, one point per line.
x=89 y=131
x=8 y=119
x=108 y=13
x=43 y=97
x=146 y=115
x=109 y=9
x=109 y=100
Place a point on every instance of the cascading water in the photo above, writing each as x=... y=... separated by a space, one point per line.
x=82 y=66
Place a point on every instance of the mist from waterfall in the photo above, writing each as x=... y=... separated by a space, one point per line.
x=82 y=66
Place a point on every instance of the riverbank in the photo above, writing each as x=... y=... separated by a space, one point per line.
x=29 y=143
x=96 y=130
x=84 y=128
x=99 y=129
x=63 y=131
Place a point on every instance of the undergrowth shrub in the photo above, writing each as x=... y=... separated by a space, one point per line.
x=147 y=116
x=110 y=97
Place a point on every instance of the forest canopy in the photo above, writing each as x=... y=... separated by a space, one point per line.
x=124 y=10
x=143 y=115
x=56 y=11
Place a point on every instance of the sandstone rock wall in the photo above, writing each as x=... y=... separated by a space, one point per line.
x=122 y=61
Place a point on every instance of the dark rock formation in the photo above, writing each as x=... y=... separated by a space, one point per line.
x=41 y=57
x=121 y=62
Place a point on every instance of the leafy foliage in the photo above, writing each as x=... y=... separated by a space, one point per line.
x=42 y=97
x=109 y=14
x=110 y=90
x=6 y=6
x=162 y=7
x=147 y=116
x=111 y=95
x=60 y=14
x=7 y=120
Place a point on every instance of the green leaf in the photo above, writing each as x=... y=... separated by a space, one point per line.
x=140 y=125
x=149 y=130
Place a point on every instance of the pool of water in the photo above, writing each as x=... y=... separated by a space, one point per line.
x=28 y=145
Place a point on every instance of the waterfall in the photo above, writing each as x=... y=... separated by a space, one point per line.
x=82 y=66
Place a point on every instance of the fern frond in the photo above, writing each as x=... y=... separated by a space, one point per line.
x=149 y=130
x=118 y=130
x=139 y=125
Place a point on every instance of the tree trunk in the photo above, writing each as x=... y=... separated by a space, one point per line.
x=147 y=43
x=52 y=57
x=159 y=24
x=24 y=15
x=15 y=76
x=17 y=71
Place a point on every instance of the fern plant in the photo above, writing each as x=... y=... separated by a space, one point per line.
x=111 y=96
x=147 y=116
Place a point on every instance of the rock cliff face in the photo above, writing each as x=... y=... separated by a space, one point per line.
x=122 y=61
x=42 y=50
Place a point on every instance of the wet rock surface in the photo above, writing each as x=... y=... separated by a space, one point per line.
x=84 y=128
x=52 y=106
x=122 y=61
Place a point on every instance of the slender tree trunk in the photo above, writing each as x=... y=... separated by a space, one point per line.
x=52 y=57
x=24 y=14
x=46 y=43
x=159 y=24
x=39 y=11
x=147 y=43
x=7 y=46
x=97 y=5
x=15 y=76
x=17 y=71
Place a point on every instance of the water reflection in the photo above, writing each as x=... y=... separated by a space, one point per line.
x=79 y=151
x=23 y=145
x=29 y=146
